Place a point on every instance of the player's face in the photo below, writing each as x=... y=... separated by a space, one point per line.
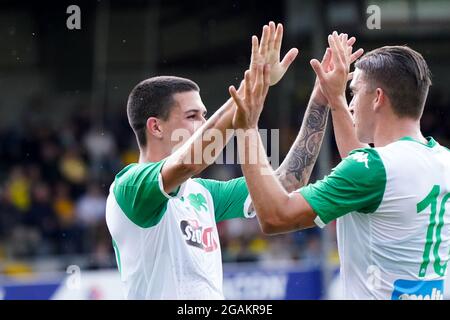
x=185 y=117
x=361 y=107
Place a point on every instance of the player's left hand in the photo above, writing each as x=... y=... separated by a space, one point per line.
x=269 y=52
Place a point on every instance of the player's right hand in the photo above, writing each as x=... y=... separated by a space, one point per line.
x=249 y=107
x=327 y=66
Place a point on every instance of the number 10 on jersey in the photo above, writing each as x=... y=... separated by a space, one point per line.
x=434 y=231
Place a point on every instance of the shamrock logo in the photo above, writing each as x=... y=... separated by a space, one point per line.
x=198 y=201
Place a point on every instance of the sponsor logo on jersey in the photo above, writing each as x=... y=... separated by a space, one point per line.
x=198 y=236
x=361 y=157
x=418 y=290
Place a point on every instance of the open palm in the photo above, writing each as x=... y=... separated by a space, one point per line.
x=268 y=52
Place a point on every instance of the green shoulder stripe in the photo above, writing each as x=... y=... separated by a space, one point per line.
x=228 y=196
x=138 y=193
x=356 y=184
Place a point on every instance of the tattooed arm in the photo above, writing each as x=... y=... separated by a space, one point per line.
x=296 y=168
x=278 y=209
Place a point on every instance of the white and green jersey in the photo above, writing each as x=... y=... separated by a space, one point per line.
x=393 y=219
x=167 y=246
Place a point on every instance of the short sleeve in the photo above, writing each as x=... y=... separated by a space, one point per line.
x=356 y=184
x=140 y=194
x=231 y=198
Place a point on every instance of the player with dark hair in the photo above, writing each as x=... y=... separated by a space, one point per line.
x=163 y=222
x=391 y=202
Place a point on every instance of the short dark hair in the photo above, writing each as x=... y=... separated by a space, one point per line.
x=153 y=97
x=402 y=73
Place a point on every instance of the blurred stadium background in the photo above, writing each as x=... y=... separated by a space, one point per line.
x=64 y=131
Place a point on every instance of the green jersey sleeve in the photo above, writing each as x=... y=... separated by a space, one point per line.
x=230 y=198
x=139 y=192
x=356 y=184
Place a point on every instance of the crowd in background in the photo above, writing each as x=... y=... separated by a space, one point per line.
x=54 y=181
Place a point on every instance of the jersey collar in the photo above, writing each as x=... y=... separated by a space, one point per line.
x=431 y=142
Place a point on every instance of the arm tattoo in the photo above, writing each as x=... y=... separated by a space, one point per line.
x=296 y=168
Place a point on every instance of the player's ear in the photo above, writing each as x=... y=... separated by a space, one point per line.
x=379 y=99
x=154 y=127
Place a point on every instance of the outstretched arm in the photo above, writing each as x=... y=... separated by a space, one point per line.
x=189 y=159
x=333 y=83
x=186 y=162
x=296 y=168
x=277 y=210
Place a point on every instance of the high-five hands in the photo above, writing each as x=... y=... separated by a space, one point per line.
x=334 y=68
x=333 y=72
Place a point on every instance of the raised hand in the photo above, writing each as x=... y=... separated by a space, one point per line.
x=269 y=51
x=327 y=65
x=248 y=109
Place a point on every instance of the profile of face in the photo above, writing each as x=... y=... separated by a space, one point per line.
x=186 y=117
x=362 y=106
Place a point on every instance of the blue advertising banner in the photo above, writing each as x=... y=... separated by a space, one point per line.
x=241 y=282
